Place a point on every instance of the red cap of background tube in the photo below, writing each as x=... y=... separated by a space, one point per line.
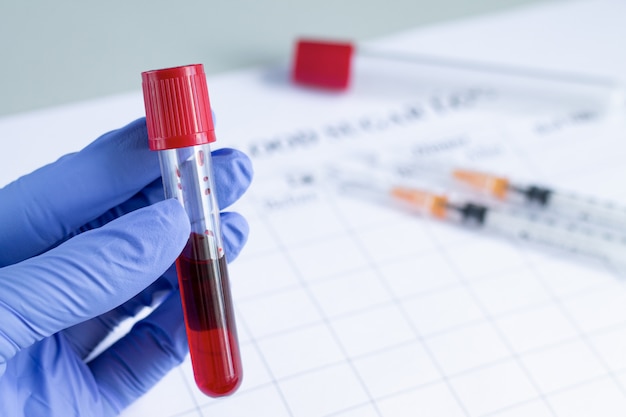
x=178 y=111
x=322 y=64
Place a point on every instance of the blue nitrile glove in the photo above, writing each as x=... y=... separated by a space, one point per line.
x=84 y=243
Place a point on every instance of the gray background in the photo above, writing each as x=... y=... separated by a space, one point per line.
x=56 y=52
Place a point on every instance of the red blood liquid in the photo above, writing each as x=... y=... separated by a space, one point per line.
x=209 y=318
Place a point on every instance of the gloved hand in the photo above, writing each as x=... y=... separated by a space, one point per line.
x=86 y=242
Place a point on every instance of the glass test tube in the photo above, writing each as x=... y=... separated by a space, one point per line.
x=180 y=127
x=327 y=64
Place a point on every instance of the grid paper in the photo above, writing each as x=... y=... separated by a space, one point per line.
x=346 y=308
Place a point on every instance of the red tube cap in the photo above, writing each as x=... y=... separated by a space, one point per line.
x=323 y=64
x=178 y=111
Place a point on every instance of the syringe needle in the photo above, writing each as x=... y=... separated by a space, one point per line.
x=577 y=207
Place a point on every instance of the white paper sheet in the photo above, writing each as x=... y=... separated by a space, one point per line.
x=345 y=308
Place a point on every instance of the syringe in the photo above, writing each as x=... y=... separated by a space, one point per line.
x=568 y=236
x=328 y=64
x=575 y=206
x=546 y=199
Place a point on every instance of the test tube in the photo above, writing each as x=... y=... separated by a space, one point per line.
x=328 y=64
x=180 y=128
